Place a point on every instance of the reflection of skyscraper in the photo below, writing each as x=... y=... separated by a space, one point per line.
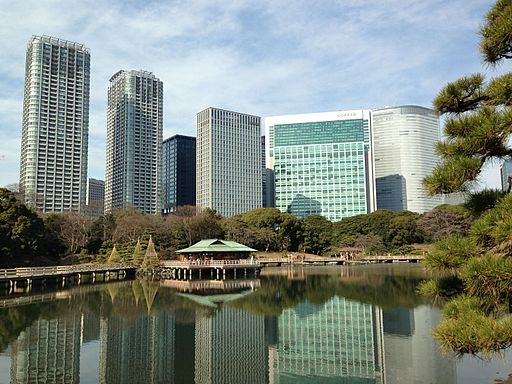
x=231 y=348
x=398 y=321
x=411 y=354
x=137 y=352
x=90 y=328
x=340 y=338
x=48 y=352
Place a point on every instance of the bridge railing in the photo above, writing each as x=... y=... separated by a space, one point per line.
x=394 y=257
x=60 y=270
x=188 y=263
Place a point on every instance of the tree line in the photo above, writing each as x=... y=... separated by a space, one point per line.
x=29 y=238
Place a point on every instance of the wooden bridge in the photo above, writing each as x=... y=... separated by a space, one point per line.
x=24 y=277
x=389 y=259
x=340 y=261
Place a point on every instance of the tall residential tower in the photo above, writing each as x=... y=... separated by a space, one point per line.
x=229 y=171
x=134 y=142
x=405 y=138
x=54 y=140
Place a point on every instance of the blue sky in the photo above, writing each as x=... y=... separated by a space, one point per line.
x=258 y=57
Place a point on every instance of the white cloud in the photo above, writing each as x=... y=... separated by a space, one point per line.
x=266 y=58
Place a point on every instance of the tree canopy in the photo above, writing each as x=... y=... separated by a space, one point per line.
x=21 y=231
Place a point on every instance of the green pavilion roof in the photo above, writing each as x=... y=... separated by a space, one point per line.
x=216 y=246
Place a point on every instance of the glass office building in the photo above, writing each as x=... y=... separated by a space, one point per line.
x=179 y=172
x=55 y=131
x=322 y=163
x=133 y=176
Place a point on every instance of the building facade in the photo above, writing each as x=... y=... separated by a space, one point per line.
x=55 y=129
x=322 y=163
x=133 y=176
x=505 y=174
x=404 y=140
x=95 y=197
x=228 y=170
x=264 y=186
x=178 y=172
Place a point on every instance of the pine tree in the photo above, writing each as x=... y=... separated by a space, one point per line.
x=478 y=128
x=478 y=113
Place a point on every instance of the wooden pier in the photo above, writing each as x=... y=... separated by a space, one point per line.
x=216 y=269
x=278 y=261
x=14 y=278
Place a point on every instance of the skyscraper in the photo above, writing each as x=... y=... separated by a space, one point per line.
x=264 y=187
x=95 y=197
x=55 y=132
x=134 y=142
x=179 y=172
x=506 y=173
x=228 y=174
x=404 y=142
x=322 y=163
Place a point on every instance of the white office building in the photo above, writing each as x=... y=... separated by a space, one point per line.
x=55 y=131
x=404 y=146
x=134 y=142
x=228 y=161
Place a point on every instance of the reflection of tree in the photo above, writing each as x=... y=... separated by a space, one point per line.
x=150 y=289
x=278 y=293
x=15 y=320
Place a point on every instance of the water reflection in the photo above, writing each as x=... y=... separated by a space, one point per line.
x=331 y=325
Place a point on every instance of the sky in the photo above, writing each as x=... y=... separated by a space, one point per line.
x=266 y=57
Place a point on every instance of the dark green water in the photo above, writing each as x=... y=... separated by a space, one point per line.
x=311 y=325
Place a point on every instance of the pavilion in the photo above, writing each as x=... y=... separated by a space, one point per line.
x=217 y=249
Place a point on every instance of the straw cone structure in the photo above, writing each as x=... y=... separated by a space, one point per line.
x=138 y=255
x=151 y=258
x=114 y=256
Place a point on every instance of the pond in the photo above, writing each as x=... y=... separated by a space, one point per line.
x=334 y=324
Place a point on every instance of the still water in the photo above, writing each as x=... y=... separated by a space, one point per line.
x=301 y=325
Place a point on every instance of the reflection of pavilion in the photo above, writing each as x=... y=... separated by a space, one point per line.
x=208 y=285
x=339 y=339
x=48 y=352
